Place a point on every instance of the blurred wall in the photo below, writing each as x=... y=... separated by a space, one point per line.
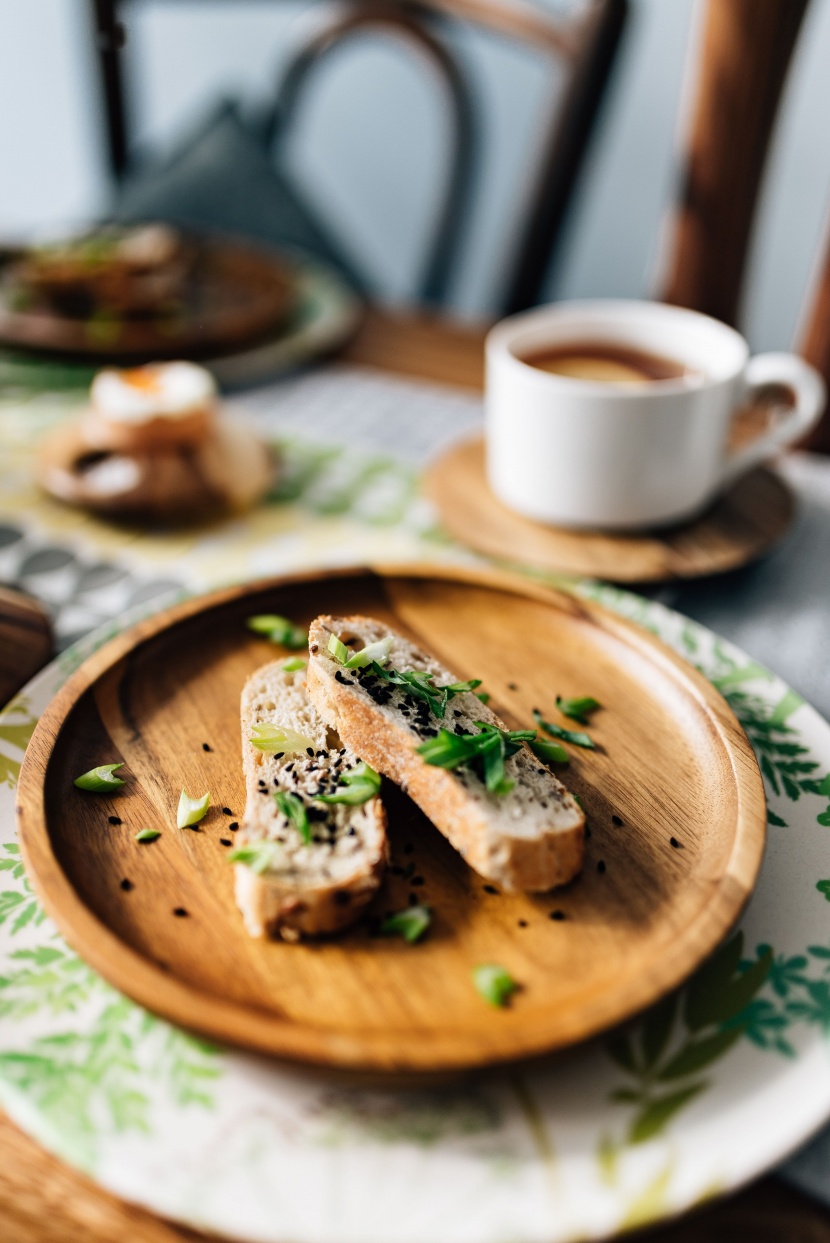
x=369 y=142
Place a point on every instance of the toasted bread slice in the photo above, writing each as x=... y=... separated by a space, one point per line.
x=531 y=838
x=314 y=887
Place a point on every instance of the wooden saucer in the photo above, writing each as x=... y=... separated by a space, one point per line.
x=744 y=523
x=672 y=793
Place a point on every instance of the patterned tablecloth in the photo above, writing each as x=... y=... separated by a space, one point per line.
x=353 y=443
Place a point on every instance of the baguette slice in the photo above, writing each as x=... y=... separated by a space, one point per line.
x=530 y=839
x=323 y=886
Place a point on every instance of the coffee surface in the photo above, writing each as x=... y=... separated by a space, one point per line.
x=605 y=363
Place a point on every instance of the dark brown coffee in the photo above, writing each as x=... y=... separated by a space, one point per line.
x=605 y=363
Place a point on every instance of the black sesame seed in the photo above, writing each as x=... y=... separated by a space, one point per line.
x=338 y=677
x=674 y=842
x=233 y=826
x=114 y=820
x=601 y=865
x=180 y=911
x=225 y=841
x=490 y=889
x=557 y=915
x=522 y=923
x=226 y=811
x=127 y=885
x=616 y=820
x=511 y=686
x=352 y=831
x=206 y=746
x=310 y=751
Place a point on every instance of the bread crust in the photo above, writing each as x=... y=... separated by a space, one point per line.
x=533 y=864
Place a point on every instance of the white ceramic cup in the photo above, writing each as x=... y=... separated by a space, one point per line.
x=588 y=454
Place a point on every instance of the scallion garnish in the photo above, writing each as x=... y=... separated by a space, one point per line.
x=577 y=709
x=550 y=752
x=419 y=684
x=275 y=738
x=294 y=664
x=100 y=780
x=191 y=810
x=378 y=651
x=494 y=983
x=338 y=650
x=567 y=735
x=484 y=752
x=484 y=696
x=258 y=856
x=410 y=923
x=293 y=808
x=357 y=786
x=278 y=630
x=147 y=835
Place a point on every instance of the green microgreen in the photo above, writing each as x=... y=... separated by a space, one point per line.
x=293 y=808
x=577 y=709
x=294 y=665
x=550 y=752
x=100 y=780
x=356 y=786
x=419 y=684
x=147 y=835
x=258 y=856
x=275 y=738
x=410 y=923
x=484 y=752
x=278 y=629
x=191 y=810
x=567 y=735
x=494 y=983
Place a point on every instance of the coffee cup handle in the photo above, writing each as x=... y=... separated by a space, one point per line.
x=810 y=394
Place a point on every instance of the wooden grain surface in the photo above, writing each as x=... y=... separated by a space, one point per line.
x=672 y=793
x=25 y=641
x=755 y=513
x=44 y=1201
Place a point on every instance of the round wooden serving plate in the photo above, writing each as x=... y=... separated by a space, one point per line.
x=744 y=523
x=672 y=762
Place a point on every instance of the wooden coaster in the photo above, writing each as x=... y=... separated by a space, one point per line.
x=744 y=523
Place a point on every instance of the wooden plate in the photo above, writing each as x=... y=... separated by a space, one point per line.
x=672 y=763
x=237 y=294
x=744 y=523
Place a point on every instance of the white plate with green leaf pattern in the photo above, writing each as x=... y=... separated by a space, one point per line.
x=702 y=1093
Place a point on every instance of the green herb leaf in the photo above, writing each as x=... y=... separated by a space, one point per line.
x=147 y=835
x=411 y=923
x=567 y=735
x=356 y=786
x=550 y=752
x=279 y=630
x=577 y=709
x=295 y=664
x=337 y=649
x=191 y=810
x=293 y=808
x=378 y=651
x=485 y=752
x=275 y=739
x=100 y=780
x=419 y=684
x=484 y=696
x=258 y=856
x=494 y=983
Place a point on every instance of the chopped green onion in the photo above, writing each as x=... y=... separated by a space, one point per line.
x=295 y=664
x=357 y=786
x=293 y=808
x=577 y=709
x=494 y=983
x=100 y=780
x=485 y=752
x=191 y=810
x=410 y=923
x=337 y=649
x=147 y=835
x=258 y=856
x=378 y=651
x=274 y=739
x=567 y=735
x=484 y=696
x=419 y=684
x=550 y=752
x=278 y=630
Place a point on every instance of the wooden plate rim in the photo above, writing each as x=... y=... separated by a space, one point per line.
x=178 y=1002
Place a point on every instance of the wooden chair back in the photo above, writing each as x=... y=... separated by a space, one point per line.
x=747 y=47
x=583 y=43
